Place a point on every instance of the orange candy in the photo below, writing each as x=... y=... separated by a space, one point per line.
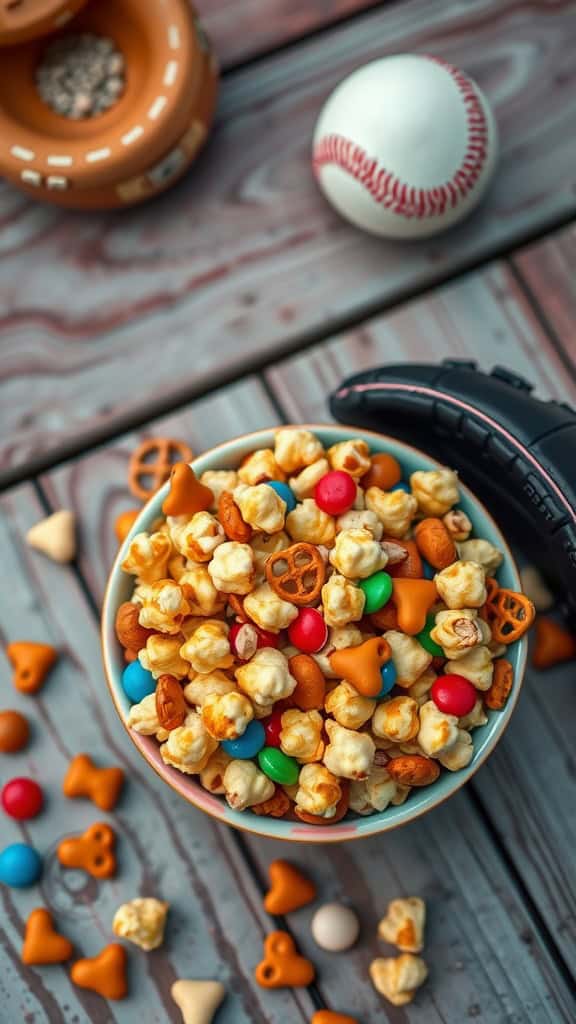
x=14 y=732
x=310 y=683
x=282 y=966
x=289 y=889
x=31 y=662
x=104 y=974
x=93 y=851
x=413 y=600
x=330 y=1017
x=124 y=523
x=186 y=495
x=385 y=472
x=42 y=943
x=435 y=543
x=361 y=665
x=101 y=785
x=553 y=644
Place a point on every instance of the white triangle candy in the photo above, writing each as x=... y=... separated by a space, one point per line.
x=197 y=1000
x=55 y=536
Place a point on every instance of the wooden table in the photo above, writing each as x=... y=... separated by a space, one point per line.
x=234 y=302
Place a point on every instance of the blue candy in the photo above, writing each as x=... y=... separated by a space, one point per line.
x=137 y=682
x=429 y=572
x=402 y=487
x=248 y=744
x=284 y=492
x=389 y=677
x=20 y=865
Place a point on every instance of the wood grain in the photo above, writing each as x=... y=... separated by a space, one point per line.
x=165 y=848
x=104 y=317
x=547 y=269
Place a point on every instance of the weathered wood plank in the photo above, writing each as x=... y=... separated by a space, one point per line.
x=245 y=257
x=548 y=270
x=165 y=848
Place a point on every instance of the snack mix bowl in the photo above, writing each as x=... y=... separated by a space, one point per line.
x=353 y=825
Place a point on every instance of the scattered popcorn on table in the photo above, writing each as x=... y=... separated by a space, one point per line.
x=142 y=922
x=403 y=925
x=397 y=978
x=210 y=614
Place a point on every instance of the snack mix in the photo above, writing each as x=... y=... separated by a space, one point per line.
x=317 y=636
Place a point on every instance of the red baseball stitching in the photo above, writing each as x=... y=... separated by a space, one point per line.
x=396 y=195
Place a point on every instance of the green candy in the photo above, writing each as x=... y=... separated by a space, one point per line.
x=278 y=766
x=425 y=639
x=377 y=590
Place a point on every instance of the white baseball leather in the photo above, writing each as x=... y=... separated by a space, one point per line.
x=405 y=146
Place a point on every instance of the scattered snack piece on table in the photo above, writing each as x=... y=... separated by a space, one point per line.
x=20 y=865
x=104 y=974
x=553 y=643
x=398 y=978
x=141 y=921
x=152 y=462
x=93 y=851
x=309 y=638
x=101 y=785
x=289 y=889
x=501 y=686
x=14 y=732
x=31 y=663
x=197 y=1000
x=536 y=588
x=22 y=798
x=124 y=523
x=330 y=1017
x=335 y=927
x=282 y=966
x=42 y=943
x=55 y=536
x=403 y=924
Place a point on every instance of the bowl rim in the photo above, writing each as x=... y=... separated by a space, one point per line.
x=256 y=824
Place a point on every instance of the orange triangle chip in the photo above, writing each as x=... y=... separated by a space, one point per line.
x=553 y=645
x=31 y=663
x=42 y=943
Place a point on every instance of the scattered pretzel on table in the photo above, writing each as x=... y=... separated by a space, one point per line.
x=302 y=573
x=508 y=613
x=154 y=458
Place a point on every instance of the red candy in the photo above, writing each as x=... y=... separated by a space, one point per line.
x=241 y=638
x=335 y=492
x=454 y=695
x=308 y=632
x=22 y=798
x=273 y=728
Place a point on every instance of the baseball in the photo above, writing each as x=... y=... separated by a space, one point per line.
x=405 y=146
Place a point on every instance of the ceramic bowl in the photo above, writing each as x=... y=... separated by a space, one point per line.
x=420 y=801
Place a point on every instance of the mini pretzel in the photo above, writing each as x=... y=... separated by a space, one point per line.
x=508 y=613
x=502 y=682
x=302 y=579
x=101 y=785
x=154 y=458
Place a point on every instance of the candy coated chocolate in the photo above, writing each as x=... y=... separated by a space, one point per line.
x=335 y=493
x=14 y=732
x=22 y=798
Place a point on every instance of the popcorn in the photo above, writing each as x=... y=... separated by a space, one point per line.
x=245 y=785
x=226 y=716
x=403 y=925
x=462 y=585
x=361 y=519
x=409 y=657
x=264 y=545
x=351 y=456
x=373 y=793
x=348 y=707
x=309 y=523
x=161 y=656
x=483 y=552
x=477 y=666
x=259 y=467
x=340 y=637
x=147 y=556
x=301 y=735
x=141 y=921
x=201 y=594
x=268 y=610
x=343 y=602
x=143 y=718
x=435 y=490
x=349 y=754
x=219 y=480
x=395 y=509
x=197 y=538
x=474 y=718
x=357 y=554
x=215 y=683
x=164 y=608
x=459 y=754
x=212 y=776
x=303 y=485
x=188 y=747
x=296 y=448
x=458 y=525
x=459 y=631
x=266 y=677
x=318 y=791
x=420 y=690
x=232 y=568
x=397 y=978
x=397 y=719
x=261 y=508
x=208 y=647
x=438 y=732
